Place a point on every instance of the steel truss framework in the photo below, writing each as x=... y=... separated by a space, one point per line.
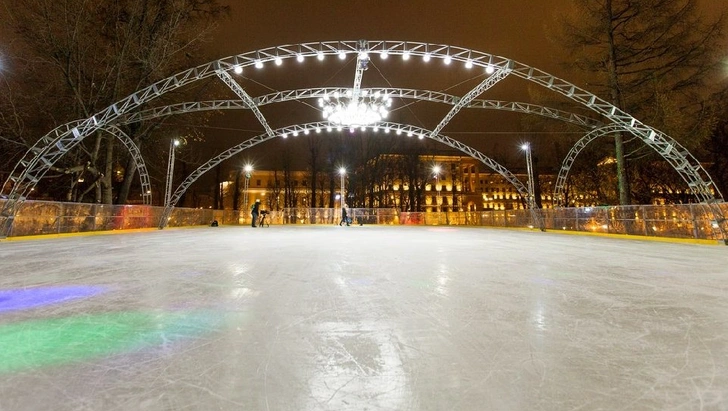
x=311 y=93
x=402 y=130
x=55 y=144
x=131 y=147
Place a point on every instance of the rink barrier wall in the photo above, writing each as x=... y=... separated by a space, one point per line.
x=687 y=221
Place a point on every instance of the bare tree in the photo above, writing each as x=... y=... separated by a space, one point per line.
x=636 y=52
x=78 y=57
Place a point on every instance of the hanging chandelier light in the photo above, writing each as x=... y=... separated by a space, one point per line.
x=350 y=110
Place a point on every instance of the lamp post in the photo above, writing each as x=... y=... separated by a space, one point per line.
x=535 y=217
x=526 y=147
x=170 y=172
x=436 y=170
x=342 y=173
x=248 y=172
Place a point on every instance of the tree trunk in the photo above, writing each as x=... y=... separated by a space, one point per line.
x=622 y=182
x=107 y=189
x=129 y=174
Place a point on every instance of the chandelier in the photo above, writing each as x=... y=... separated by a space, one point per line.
x=352 y=110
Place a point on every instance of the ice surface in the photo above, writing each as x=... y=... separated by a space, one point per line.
x=361 y=318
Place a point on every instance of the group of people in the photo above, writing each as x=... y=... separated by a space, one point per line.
x=255 y=212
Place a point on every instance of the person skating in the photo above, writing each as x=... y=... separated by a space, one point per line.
x=254 y=211
x=344 y=217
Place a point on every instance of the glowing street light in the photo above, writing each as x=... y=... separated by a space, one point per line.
x=170 y=172
x=537 y=220
x=248 y=172
x=436 y=171
x=526 y=147
x=342 y=174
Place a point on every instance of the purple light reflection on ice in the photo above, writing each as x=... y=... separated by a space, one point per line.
x=25 y=298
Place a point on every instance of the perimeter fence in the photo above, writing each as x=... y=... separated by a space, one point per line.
x=696 y=221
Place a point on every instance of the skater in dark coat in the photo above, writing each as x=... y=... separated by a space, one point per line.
x=344 y=217
x=254 y=211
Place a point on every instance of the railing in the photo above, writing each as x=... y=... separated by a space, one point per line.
x=46 y=217
x=674 y=221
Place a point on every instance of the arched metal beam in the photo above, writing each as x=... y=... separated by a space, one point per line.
x=578 y=147
x=49 y=149
x=7 y=219
x=319 y=127
x=558 y=193
x=138 y=161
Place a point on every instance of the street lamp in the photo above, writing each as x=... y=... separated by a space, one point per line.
x=537 y=220
x=342 y=173
x=526 y=147
x=170 y=172
x=436 y=170
x=248 y=172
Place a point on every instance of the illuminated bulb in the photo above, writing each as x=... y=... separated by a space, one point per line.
x=489 y=69
x=278 y=61
x=318 y=130
x=384 y=54
x=295 y=133
x=305 y=131
x=238 y=69
x=426 y=57
x=259 y=64
x=299 y=58
x=320 y=55
x=284 y=135
x=448 y=60
x=405 y=55
x=342 y=55
x=468 y=64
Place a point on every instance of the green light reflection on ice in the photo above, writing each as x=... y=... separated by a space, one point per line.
x=32 y=344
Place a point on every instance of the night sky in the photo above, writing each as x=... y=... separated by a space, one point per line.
x=516 y=29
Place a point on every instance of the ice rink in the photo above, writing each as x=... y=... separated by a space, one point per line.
x=361 y=318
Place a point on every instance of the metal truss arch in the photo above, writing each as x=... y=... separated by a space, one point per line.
x=558 y=193
x=711 y=207
x=136 y=155
x=318 y=128
x=50 y=147
x=8 y=212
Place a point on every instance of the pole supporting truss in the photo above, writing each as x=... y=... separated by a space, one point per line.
x=235 y=87
x=471 y=95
